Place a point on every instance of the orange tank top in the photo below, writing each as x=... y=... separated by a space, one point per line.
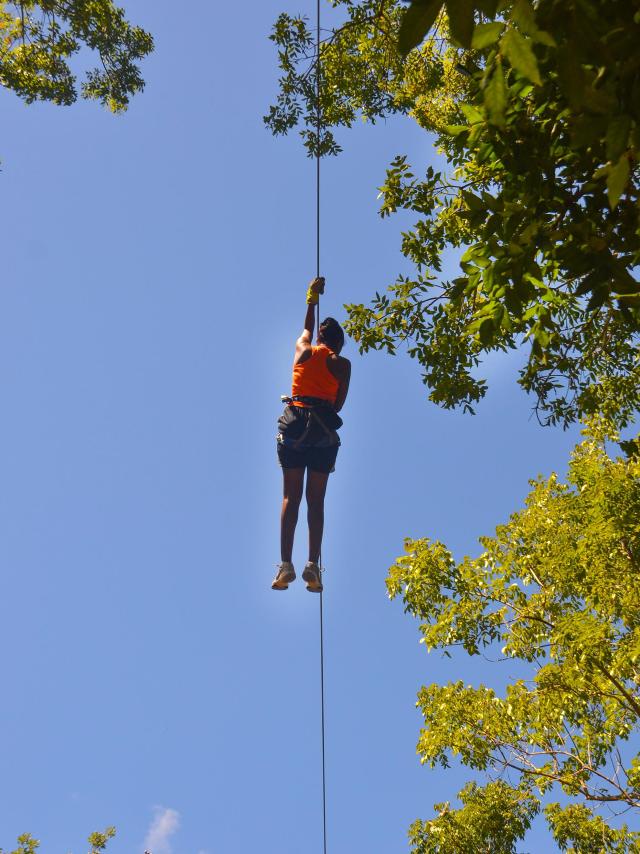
x=313 y=378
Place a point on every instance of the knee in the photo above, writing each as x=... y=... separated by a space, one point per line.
x=291 y=503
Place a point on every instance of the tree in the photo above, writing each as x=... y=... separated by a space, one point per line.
x=535 y=107
x=39 y=39
x=98 y=841
x=27 y=844
x=556 y=589
x=491 y=821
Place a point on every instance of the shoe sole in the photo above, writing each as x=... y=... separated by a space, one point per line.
x=313 y=585
x=283 y=584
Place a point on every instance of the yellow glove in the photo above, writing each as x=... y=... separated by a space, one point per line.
x=314 y=290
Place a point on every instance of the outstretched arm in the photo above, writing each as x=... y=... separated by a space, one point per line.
x=315 y=289
x=309 y=323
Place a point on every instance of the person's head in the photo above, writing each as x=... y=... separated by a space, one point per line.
x=331 y=334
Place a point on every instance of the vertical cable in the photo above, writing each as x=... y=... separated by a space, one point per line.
x=318 y=124
x=324 y=787
x=318 y=119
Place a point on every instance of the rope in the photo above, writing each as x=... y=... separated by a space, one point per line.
x=324 y=786
x=318 y=118
x=318 y=149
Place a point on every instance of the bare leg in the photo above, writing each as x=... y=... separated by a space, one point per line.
x=316 y=489
x=293 y=482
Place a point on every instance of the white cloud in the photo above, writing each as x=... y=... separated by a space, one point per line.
x=164 y=825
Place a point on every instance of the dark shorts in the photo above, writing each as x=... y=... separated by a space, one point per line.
x=315 y=459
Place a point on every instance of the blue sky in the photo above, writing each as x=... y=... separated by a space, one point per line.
x=154 y=270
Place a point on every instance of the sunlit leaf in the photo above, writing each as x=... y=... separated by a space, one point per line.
x=485 y=35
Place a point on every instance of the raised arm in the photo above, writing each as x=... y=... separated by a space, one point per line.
x=315 y=289
x=309 y=324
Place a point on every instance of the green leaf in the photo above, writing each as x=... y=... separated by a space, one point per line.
x=598 y=100
x=416 y=23
x=461 y=20
x=486 y=330
x=618 y=136
x=486 y=34
x=524 y=17
x=617 y=180
x=519 y=53
x=495 y=96
x=472 y=114
x=472 y=201
x=544 y=38
x=455 y=130
x=571 y=77
x=522 y=14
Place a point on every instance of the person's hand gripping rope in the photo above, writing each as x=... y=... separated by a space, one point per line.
x=315 y=289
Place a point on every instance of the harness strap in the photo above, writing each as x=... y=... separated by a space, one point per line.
x=307 y=401
x=313 y=416
x=317 y=418
x=297 y=442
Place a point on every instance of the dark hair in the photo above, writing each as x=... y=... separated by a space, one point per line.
x=331 y=334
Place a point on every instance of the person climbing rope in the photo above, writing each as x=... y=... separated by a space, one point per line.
x=308 y=438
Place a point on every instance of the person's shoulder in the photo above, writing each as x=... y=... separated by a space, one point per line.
x=303 y=345
x=304 y=351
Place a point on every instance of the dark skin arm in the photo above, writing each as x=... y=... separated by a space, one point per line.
x=306 y=337
x=341 y=369
x=303 y=344
x=338 y=365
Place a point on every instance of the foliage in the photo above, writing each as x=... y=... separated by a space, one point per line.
x=27 y=844
x=491 y=821
x=354 y=59
x=38 y=41
x=575 y=829
x=557 y=589
x=536 y=109
x=98 y=841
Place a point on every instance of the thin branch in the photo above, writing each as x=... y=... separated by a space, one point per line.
x=635 y=705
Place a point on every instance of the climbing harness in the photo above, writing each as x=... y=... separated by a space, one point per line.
x=312 y=425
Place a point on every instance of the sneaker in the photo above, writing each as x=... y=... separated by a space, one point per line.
x=286 y=574
x=311 y=575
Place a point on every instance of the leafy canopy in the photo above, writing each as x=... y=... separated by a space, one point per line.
x=27 y=844
x=491 y=820
x=38 y=41
x=556 y=589
x=535 y=107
